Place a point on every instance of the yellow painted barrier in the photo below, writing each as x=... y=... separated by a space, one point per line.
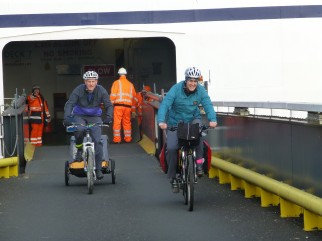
x=147 y=145
x=292 y=201
x=29 y=151
x=9 y=167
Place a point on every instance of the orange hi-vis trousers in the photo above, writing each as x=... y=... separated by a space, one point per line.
x=36 y=134
x=122 y=116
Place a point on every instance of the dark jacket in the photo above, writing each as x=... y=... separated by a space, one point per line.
x=81 y=102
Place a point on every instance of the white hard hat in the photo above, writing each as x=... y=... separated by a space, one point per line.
x=122 y=71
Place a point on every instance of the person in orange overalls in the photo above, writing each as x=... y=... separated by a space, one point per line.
x=139 y=97
x=38 y=115
x=123 y=97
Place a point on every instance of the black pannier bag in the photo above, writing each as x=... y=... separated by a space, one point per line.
x=188 y=134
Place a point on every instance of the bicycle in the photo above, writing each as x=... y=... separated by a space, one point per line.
x=86 y=168
x=186 y=165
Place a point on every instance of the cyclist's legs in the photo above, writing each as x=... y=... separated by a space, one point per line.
x=172 y=153
x=79 y=133
x=96 y=133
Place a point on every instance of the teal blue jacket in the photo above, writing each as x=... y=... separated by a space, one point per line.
x=178 y=106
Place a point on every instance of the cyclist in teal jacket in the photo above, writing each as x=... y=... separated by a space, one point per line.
x=181 y=104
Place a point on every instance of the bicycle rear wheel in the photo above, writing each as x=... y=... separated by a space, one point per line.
x=190 y=183
x=67 y=173
x=90 y=170
x=113 y=170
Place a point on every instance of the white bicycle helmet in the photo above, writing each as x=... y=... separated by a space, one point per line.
x=192 y=72
x=122 y=71
x=90 y=75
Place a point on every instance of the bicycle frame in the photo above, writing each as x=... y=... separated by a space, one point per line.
x=88 y=153
x=183 y=160
x=88 y=144
x=186 y=166
x=88 y=159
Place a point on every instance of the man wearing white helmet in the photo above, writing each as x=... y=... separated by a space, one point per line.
x=181 y=104
x=84 y=107
x=123 y=97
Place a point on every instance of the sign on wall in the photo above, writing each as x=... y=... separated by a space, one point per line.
x=103 y=70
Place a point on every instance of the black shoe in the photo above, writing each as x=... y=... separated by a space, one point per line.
x=175 y=185
x=79 y=155
x=200 y=171
x=99 y=174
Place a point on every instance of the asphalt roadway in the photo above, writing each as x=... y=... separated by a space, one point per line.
x=37 y=206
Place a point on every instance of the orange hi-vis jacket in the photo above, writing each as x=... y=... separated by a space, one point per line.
x=123 y=93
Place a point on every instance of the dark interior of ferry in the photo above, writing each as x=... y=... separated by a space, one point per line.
x=57 y=67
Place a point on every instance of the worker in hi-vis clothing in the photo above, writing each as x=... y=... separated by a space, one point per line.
x=38 y=115
x=123 y=97
x=139 y=97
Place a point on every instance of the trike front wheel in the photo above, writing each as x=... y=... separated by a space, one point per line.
x=90 y=170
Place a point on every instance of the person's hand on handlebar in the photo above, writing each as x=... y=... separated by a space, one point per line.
x=107 y=121
x=163 y=126
x=68 y=121
x=212 y=124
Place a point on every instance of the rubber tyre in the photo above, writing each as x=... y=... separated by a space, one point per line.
x=113 y=171
x=184 y=183
x=90 y=170
x=67 y=173
x=190 y=183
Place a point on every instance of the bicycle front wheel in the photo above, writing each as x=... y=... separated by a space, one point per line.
x=90 y=170
x=190 y=183
x=184 y=174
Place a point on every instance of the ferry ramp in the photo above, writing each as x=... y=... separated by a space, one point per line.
x=37 y=205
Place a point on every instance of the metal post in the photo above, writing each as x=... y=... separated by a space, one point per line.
x=17 y=134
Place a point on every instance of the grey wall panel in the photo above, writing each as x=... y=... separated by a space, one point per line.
x=287 y=151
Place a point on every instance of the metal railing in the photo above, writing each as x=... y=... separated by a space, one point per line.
x=286 y=110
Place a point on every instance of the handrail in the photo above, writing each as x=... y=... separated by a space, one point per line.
x=310 y=107
x=292 y=194
x=292 y=106
x=295 y=106
x=150 y=95
x=153 y=99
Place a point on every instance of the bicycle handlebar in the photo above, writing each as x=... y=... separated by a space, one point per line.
x=201 y=128
x=71 y=128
